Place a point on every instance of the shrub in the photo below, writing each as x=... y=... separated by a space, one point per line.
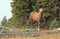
x=54 y=24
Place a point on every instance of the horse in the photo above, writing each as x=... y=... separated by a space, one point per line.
x=36 y=16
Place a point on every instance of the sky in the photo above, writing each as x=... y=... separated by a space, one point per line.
x=5 y=9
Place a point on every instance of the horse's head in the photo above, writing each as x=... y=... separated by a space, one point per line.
x=41 y=10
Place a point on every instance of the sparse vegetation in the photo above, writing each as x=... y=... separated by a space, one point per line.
x=54 y=24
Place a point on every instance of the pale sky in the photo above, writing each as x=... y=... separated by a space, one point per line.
x=5 y=9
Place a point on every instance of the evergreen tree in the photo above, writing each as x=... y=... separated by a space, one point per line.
x=4 y=21
x=22 y=8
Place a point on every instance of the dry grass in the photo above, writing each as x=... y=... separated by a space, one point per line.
x=45 y=36
x=50 y=36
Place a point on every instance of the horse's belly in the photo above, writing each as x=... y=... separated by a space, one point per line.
x=36 y=17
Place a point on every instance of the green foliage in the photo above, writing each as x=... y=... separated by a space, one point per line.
x=22 y=8
x=46 y=14
x=49 y=6
x=11 y=25
x=4 y=21
x=54 y=24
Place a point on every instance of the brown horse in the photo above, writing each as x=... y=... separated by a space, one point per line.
x=36 y=16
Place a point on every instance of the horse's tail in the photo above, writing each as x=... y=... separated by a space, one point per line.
x=30 y=18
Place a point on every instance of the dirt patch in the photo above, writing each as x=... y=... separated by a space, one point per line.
x=50 y=36
x=45 y=36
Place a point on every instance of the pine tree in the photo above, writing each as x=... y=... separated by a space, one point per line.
x=22 y=8
x=4 y=21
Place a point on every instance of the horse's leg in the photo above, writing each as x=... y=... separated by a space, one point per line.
x=29 y=20
x=38 y=25
x=32 y=23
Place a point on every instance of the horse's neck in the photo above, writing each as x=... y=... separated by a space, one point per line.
x=40 y=13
